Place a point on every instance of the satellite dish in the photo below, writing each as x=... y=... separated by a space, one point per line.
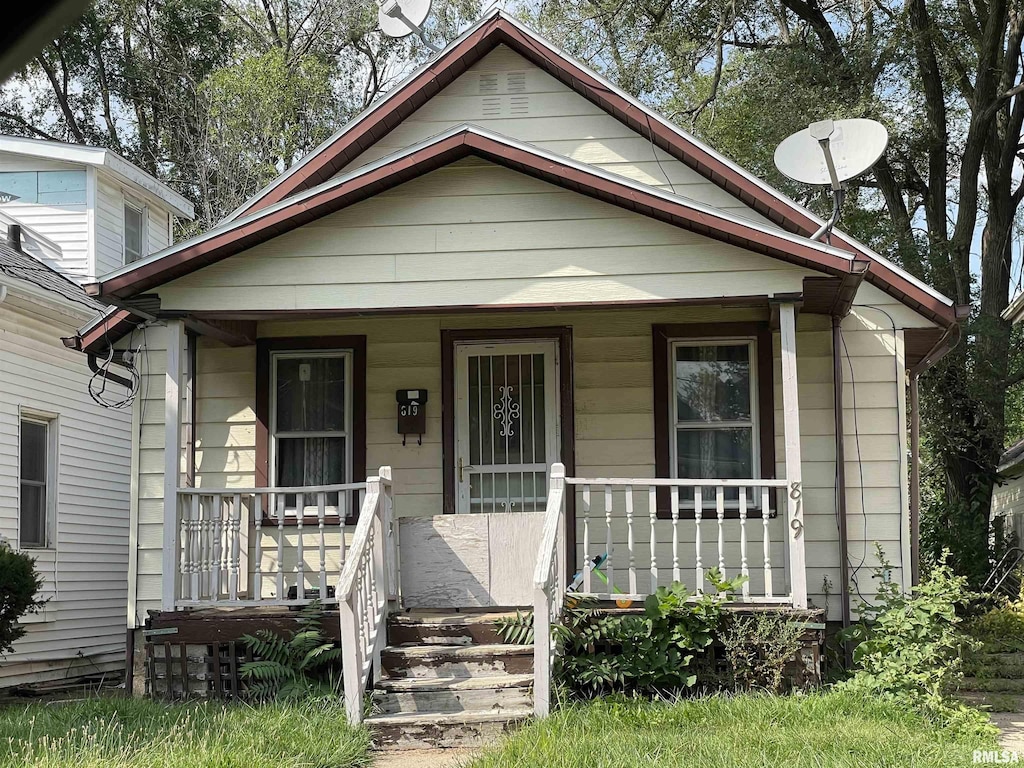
x=851 y=147
x=829 y=153
x=401 y=18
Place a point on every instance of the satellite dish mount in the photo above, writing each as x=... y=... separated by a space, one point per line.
x=401 y=18
x=830 y=153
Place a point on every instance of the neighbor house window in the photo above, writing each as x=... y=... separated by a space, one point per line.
x=37 y=481
x=134 y=232
x=311 y=423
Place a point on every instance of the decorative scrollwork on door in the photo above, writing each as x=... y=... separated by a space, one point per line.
x=506 y=410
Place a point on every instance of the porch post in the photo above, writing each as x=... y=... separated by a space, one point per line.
x=172 y=460
x=794 y=490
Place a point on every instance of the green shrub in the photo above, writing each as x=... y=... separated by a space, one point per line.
x=19 y=585
x=910 y=647
x=603 y=652
x=758 y=647
x=292 y=668
x=999 y=629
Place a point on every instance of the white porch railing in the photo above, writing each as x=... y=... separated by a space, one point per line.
x=368 y=581
x=631 y=550
x=242 y=546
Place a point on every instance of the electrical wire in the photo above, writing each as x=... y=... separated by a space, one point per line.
x=97 y=386
x=856 y=430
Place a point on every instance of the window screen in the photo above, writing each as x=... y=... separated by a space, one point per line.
x=133 y=226
x=714 y=411
x=34 y=473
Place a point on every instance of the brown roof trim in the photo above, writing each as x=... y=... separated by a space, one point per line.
x=111 y=329
x=445 y=150
x=499 y=30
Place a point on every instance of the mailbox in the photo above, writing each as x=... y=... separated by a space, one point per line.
x=412 y=413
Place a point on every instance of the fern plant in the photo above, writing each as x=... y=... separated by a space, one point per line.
x=293 y=667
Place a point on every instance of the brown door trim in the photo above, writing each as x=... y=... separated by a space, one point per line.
x=566 y=406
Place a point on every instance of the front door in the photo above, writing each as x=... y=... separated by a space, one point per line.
x=506 y=425
x=506 y=439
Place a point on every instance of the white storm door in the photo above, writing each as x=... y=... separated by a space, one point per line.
x=506 y=425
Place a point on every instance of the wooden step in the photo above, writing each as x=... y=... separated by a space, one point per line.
x=421 y=730
x=435 y=661
x=454 y=694
x=992 y=685
x=433 y=628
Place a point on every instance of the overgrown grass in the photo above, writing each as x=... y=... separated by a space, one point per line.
x=826 y=730
x=124 y=733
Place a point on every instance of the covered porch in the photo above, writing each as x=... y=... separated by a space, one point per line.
x=591 y=423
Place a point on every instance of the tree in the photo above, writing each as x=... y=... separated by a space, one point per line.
x=215 y=97
x=945 y=77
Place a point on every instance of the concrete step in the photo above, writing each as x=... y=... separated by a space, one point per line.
x=434 y=661
x=433 y=628
x=993 y=701
x=421 y=730
x=992 y=685
x=456 y=694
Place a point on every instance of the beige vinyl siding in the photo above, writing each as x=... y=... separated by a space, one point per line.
x=614 y=429
x=530 y=105
x=85 y=574
x=66 y=225
x=475 y=233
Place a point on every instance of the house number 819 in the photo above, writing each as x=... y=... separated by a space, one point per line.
x=409 y=410
x=797 y=524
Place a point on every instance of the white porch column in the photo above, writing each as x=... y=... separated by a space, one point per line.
x=794 y=491
x=172 y=461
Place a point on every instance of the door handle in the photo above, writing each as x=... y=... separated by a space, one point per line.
x=462 y=466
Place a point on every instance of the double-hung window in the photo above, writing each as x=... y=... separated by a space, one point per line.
x=36 y=481
x=714 y=412
x=311 y=425
x=134 y=231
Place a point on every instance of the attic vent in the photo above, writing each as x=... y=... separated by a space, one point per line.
x=520 y=105
x=492 y=106
x=489 y=82
x=516 y=82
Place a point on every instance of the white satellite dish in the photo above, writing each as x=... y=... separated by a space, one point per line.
x=829 y=153
x=853 y=145
x=401 y=18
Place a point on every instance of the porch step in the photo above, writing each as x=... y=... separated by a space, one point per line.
x=431 y=628
x=438 y=661
x=457 y=694
x=422 y=730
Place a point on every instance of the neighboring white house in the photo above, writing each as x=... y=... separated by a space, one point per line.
x=67 y=213
x=1008 y=495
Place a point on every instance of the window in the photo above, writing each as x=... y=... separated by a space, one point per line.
x=714 y=410
x=714 y=414
x=311 y=423
x=134 y=232
x=37 y=481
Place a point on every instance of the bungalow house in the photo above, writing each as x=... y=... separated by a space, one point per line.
x=67 y=213
x=506 y=323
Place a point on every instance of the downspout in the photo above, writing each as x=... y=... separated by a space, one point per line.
x=915 y=483
x=837 y=389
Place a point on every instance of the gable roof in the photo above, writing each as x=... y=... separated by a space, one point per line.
x=104 y=160
x=497 y=28
x=454 y=144
x=27 y=269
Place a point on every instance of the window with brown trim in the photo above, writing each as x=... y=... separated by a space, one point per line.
x=714 y=413
x=311 y=418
